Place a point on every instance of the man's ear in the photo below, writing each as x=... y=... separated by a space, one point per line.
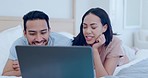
x=24 y=33
x=105 y=28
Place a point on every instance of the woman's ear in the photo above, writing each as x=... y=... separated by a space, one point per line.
x=105 y=28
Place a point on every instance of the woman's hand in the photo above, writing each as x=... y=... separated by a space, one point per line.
x=99 y=41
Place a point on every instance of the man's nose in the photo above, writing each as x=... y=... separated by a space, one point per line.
x=38 y=37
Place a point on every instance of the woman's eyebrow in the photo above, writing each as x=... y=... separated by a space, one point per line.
x=84 y=23
x=93 y=24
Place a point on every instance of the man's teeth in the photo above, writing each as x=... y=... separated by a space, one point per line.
x=38 y=43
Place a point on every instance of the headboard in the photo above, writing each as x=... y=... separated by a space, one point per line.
x=57 y=24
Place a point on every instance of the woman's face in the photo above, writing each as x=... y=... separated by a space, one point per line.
x=92 y=28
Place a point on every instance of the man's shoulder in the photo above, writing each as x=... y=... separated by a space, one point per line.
x=57 y=35
x=21 y=40
x=60 y=40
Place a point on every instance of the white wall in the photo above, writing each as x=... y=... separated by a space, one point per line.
x=104 y=4
x=117 y=16
x=63 y=9
x=145 y=14
x=54 y=8
x=81 y=7
x=115 y=9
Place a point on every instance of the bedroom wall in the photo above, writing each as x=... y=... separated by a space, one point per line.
x=81 y=7
x=145 y=14
x=54 y=8
x=115 y=9
x=63 y=9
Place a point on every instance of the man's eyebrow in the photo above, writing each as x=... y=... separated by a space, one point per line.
x=44 y=30
x=31 y=31
x=35 y=31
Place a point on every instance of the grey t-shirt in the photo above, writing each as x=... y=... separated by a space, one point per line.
x=55 y=39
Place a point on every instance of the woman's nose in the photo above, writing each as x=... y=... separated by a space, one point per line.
x=88 y=30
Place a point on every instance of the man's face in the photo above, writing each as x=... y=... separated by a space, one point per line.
x=37 y=32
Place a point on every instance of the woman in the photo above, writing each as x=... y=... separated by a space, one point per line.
x=96 y=31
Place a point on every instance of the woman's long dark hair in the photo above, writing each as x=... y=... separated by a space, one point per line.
x=80 y=40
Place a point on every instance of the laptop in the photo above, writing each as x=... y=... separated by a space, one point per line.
x=55 y=61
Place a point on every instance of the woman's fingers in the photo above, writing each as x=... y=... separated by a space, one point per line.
x=101 y=39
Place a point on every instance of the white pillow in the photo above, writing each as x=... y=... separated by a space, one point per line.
x=130 y=52
x=142 y=53
x=7 y=37
x=70 y=36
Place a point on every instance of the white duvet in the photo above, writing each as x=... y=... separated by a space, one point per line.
x=141 y=55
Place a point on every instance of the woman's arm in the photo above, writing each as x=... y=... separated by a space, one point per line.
x=104 y=69
x=109 y=64
x=99 y=68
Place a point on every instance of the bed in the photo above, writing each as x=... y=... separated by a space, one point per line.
x=11 y=28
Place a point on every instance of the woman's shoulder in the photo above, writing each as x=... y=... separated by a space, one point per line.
x=115 y=41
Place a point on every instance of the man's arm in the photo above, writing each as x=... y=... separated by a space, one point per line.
x=10 y=69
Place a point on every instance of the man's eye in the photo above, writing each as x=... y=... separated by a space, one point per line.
x=93 y=27
x=32 y=33
x=43 y=32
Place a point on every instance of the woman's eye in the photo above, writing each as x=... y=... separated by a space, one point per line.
x=84 y=27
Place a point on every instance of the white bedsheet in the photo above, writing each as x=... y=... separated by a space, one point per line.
x=141 y=55
x=9 y=77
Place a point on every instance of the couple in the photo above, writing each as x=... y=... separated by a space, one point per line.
x=95 y=31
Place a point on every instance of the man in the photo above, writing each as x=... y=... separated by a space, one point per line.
x=36 y=32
